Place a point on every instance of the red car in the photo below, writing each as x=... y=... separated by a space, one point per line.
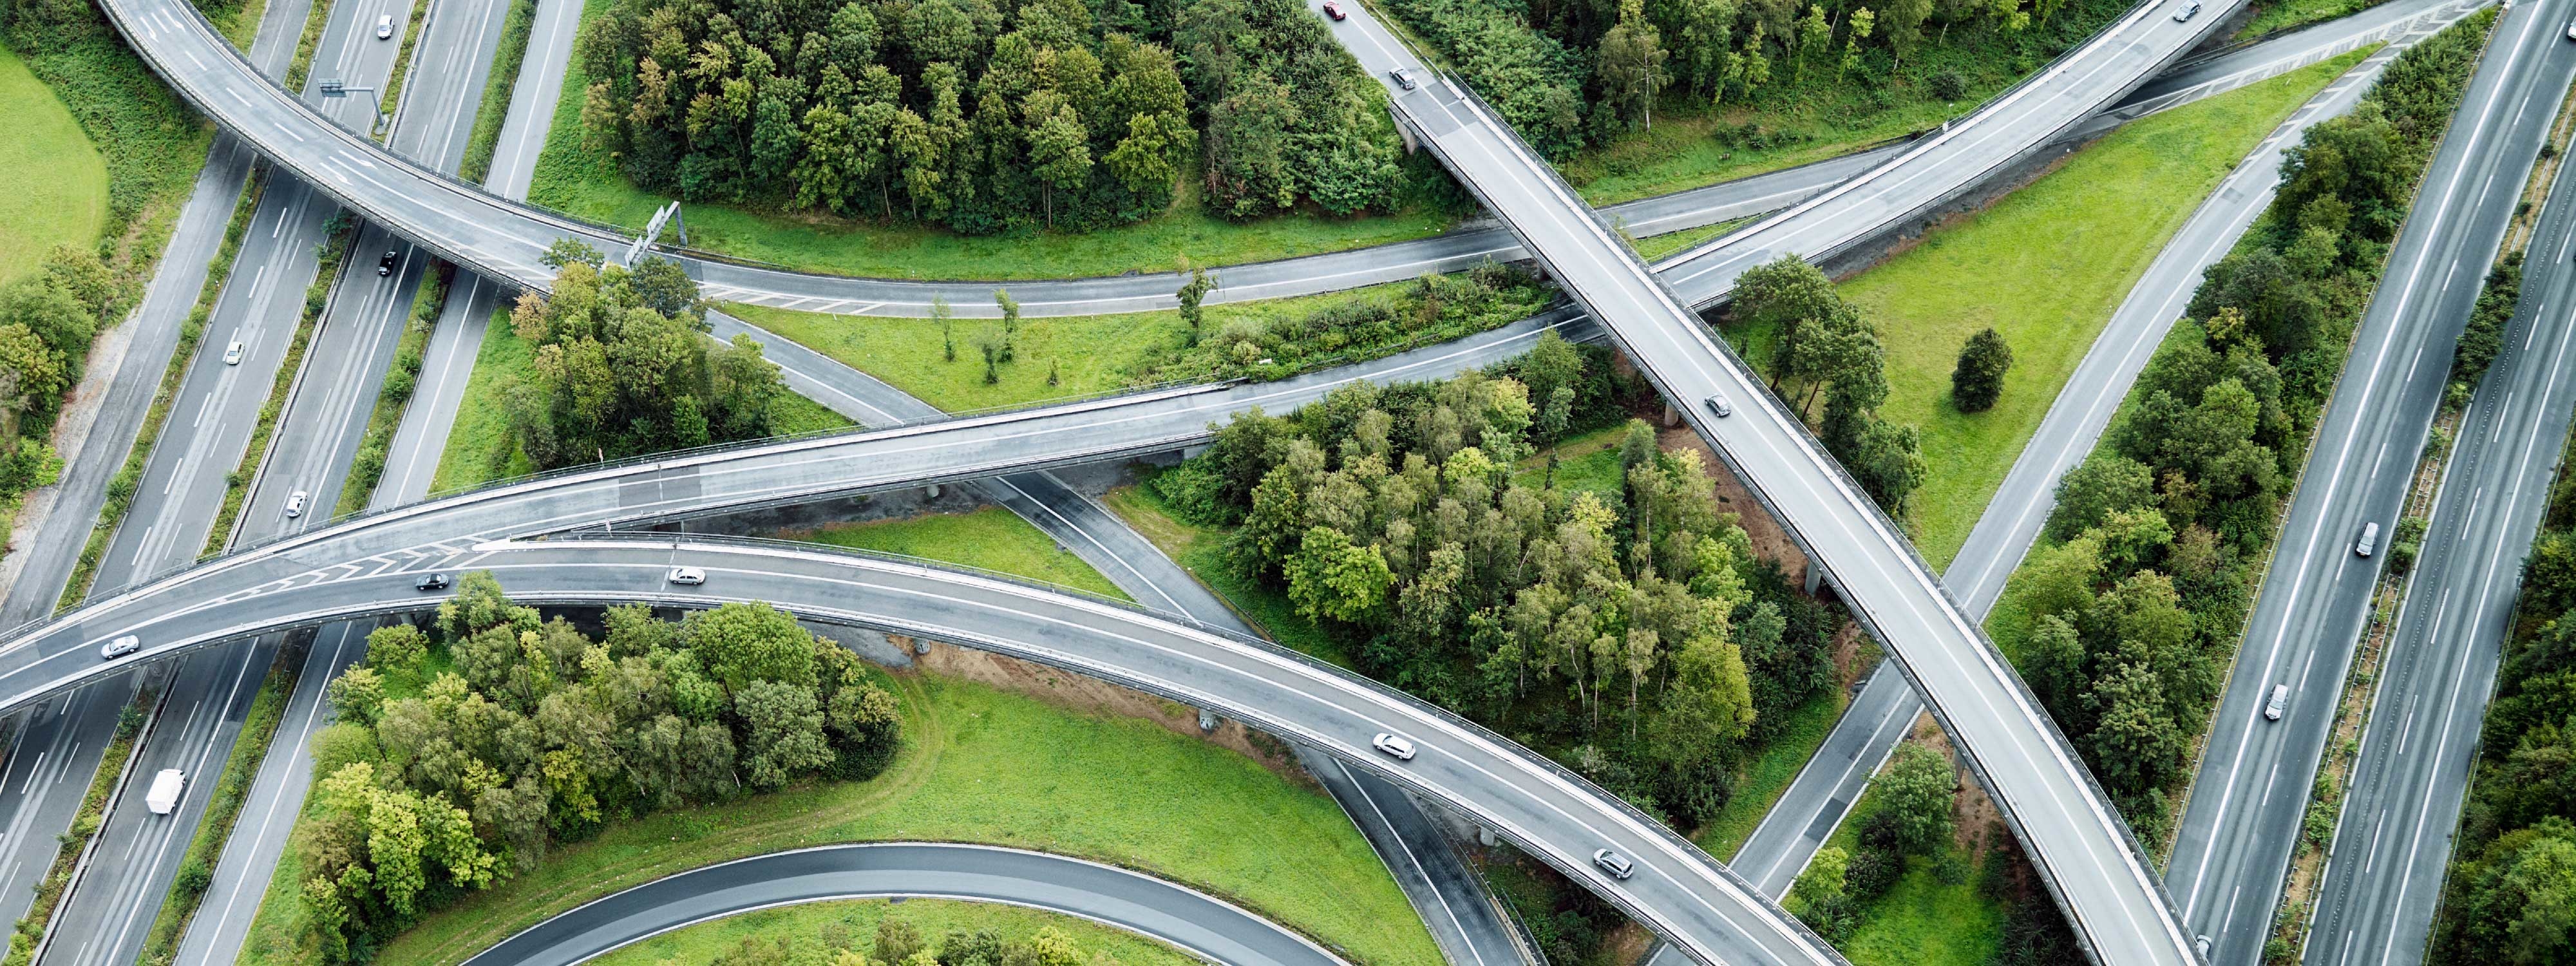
x=1334 y=10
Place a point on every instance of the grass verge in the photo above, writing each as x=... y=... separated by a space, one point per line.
x=317 y=300
x=392 y=100
x=1940 y=912
x=978 y=765
x=2046 y=267
x=302 y=65
x=2273 y=18
x=93 y=808
x=120 y=488
x=1768 y=775
x=495 y=108
x=816 y=932
x=368 y=467
x=61 y=195
x=196 y=868
x=1201 y=551
x=990 y=538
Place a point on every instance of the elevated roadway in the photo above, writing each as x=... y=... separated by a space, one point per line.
x=1202 y=925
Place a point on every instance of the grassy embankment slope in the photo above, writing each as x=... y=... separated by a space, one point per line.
x=978 y=765
x=2045 y=267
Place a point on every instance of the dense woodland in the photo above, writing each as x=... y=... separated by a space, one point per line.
x=464 y=751
x=1632 y=634
x=46 y=322
x=1571 y=73
x=986 y=116
x=2139 y=596
x=624 y=366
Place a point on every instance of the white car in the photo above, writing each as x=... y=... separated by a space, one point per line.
x=119 y=647
x=385 y=26
x=2571 y=30
x=688 y=576
x=232 y=355
x=295 y=504
x=2280 y=702
x=2188 y=11
x=1614 y=863
x=1392 y=746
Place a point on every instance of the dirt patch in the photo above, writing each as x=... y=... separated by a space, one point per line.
x=1975 y=824
x=1066 y=689
x=1629 y=943
x=1769 y=539
x=1854 y=654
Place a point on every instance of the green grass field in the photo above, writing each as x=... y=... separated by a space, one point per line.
x=1088 y=353
x=991 y=538
x=1768 y=775
x=60 y=193
x=480 y=450
x=1923 y=921
x=2046 y=266
x=978 y=765
x=803 y=927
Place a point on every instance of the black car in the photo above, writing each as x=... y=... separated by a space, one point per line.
x=428 y=582
x=385 y=265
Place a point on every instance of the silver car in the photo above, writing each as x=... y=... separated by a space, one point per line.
x=120 y=647
x=2280 y=702
x=1719 y=405
x=1392 y=746
x=688 y=576
x=1614 y=863
x=1403 y=78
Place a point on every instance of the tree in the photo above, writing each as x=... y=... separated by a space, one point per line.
x=1862 y=21
x=1330 y=576
x=743 y=643
x=1191 y=294
x=1820 y=887
x=2104 y=484
x=1632 y=66
x=1919 y=787
x=782 y=733
x=1979 y=377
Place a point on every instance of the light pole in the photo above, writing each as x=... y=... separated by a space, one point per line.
x=333 y=88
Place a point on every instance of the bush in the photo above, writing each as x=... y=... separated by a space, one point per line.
x=193 y=878
x=1948 y=85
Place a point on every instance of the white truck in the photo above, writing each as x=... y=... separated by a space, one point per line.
x=163 y=797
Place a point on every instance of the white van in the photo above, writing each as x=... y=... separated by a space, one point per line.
x=166 y=786
x=2369 y=539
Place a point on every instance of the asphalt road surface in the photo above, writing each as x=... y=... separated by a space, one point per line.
x=1885 y=707
x=1207 y=927
x=2236 y=838
x=2402 y=809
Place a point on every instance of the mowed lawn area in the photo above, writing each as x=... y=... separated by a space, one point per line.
x=978 y=765
x=479 y=446
x=58 y=183
x=991 y=538
x=1927 y=918
x=1086 y=354
x=809 y=931
x=2046 y=266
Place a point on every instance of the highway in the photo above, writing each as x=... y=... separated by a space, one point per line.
x=105 y=917
x=2236 y=838
x=2076 y=838
x=1885 y=708
x=2393 y=839
x=1677 y=891
x=1922 y=586
x=1202 y=925
x=502 y=239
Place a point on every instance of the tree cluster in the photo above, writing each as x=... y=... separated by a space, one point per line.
x=1431 y=308
x=462 y=753
x=2510 y=897
x=46 y=322
x=984 y=117
x=2137 y=602
x=1622 y=632
x=899 y=943
x=1825 y=349
x=623 y=366
x=1567 y=73
x=1289 y=113
x=1913 y=821
x=2483 y=336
